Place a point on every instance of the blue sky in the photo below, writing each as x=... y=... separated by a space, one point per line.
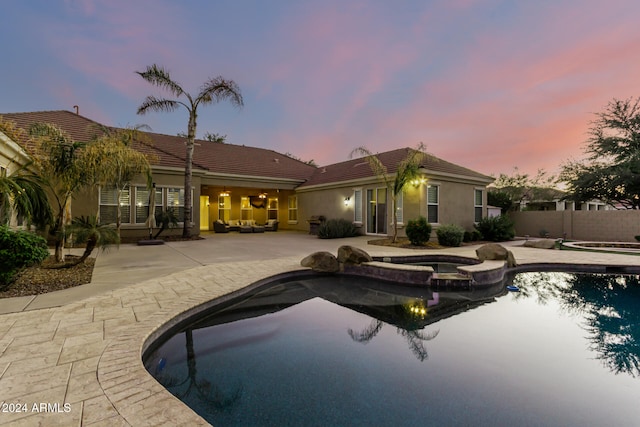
x=486 y=84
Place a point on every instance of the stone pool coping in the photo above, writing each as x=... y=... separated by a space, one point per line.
x=88 y=353
x=597 y=246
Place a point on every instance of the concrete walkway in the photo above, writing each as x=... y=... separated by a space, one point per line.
x=73 y=357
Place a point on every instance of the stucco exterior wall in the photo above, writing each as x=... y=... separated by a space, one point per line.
x=607 y=225
x=456 y=204
x=327 y=202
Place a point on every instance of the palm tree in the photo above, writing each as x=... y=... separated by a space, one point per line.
x=166 y=219
x=116 y=163
x=408 y=170
x=24 y=194
x=59 y=164
x=88 y=230
x=213 y=91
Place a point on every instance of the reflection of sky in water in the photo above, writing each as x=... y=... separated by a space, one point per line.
x=515 y=361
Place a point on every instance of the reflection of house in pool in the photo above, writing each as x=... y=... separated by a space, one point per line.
x=389 y=303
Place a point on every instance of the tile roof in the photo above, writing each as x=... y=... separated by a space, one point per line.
x=359 y=168
x=170 y=150
x=237 y=160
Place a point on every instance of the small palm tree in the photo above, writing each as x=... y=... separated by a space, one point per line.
x=213 y=91
x=408 y=170
x=115 y=162
x=95 y=235
x=166 y=219
x=60 y=167
x=24 y=194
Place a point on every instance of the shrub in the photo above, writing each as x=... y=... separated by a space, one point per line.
x=450 y=235
x=471 y=236
x=496 y=229
x=418 y=231
x=336 y=228
x=637 y=238
x=19 y=249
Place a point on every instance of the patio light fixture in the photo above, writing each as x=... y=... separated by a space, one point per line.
x=418 y=181
x=346 y=201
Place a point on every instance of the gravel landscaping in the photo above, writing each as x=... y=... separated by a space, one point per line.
x=40 y=279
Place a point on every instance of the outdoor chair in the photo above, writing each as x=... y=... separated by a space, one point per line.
x=220 y=227
x=271 y=225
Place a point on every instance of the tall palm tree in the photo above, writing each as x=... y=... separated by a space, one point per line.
x=212 y=91
x=408 y=170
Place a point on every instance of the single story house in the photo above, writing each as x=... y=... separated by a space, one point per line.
x=238 y=182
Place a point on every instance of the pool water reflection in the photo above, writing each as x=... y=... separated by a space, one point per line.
x=345 y=351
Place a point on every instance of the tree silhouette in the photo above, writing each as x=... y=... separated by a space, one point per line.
x=213 y=91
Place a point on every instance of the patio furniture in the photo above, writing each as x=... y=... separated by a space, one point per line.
x=257 y=228
x=314 y=223
x=271 y=225
x=234 y=225
x=220 y=227
x=246 y=226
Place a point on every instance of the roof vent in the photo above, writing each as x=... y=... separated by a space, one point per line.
x=324 y=170
x=276 y=160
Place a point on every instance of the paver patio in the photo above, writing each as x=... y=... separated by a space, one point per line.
x=86 y=353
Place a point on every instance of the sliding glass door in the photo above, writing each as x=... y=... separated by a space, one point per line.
x=377 y=211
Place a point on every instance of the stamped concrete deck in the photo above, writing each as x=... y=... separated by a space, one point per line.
x=74 y=358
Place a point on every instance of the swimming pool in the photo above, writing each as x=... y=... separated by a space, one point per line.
x=345 y=351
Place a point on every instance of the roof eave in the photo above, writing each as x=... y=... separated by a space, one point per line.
x=16 y=150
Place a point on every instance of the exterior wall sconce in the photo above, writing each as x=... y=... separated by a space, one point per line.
x=346 y=201
x=419 y=181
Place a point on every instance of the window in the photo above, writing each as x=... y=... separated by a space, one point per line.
x=246 y=211
x=142 y=204
x=293 y=208
x=175 y=202
x=357 y=206
x=109 y=205
x=478 y=205
x=432 y=203
x=272 y=208
x=224 y=208
x=399 y=210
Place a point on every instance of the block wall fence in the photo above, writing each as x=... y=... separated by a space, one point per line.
x=605 y=226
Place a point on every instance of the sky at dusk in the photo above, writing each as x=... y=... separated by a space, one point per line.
x=485 y=84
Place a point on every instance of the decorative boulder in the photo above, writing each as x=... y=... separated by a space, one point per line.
x=540 y=244
x=324 y=262
x=352 y=255
x=494 y=251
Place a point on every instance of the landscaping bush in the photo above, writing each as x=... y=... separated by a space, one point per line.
x=336 y=228
x=450 y=235
x=418 y=231
x=19 y=249
x=496 y=229
x=637 y=238
x=471 y=236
